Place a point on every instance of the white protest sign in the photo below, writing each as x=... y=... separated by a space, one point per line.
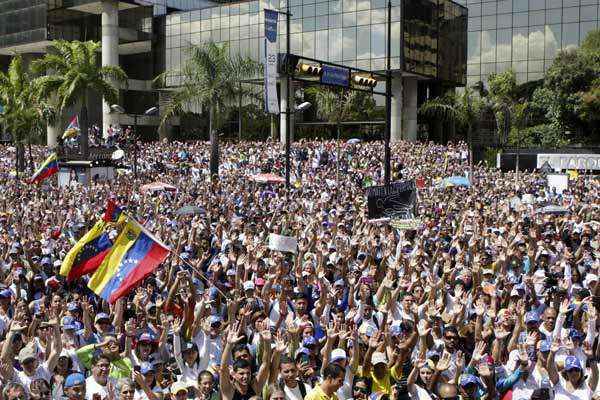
x=528 y=198
x=406 y=224
x=559 y=182
x=283 y=243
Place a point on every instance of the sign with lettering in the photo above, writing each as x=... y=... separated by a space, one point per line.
x=283 y=243
x=394 y=201
x=406 y=224
x=270 y=89
x=570 y=161
x=335 y=76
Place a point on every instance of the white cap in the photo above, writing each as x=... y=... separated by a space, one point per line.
x=589 y=278
x=378 y=358
x=337 y=355
x=515 y=292
x=249 y=285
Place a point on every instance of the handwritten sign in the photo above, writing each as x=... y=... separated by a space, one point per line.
x=282 y=243
x=406 y=224
x=394 y=201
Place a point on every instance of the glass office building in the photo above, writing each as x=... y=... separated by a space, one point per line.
x=348 y=32
x=146 y=37
x=524 y=34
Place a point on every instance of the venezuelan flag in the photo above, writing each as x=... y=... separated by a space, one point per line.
x=46 y=170
x=112 y=212
x=87 y=254
x=72 y=129
x=135 y=255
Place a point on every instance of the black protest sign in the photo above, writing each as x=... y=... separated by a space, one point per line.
x=396 y=200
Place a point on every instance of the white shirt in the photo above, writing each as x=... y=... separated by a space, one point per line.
x=561 y=392
x=294 y=393
x=209 y=350
x=92 y=387
x=523 y=389
x=41 y=372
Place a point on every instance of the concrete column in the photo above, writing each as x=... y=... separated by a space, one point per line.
x=282 y=107
x=52 y=133
x=110 y=52
x=410 y=109
x=397 y=100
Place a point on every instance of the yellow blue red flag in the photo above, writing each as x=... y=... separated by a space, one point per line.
x=135 y=254
x=46 y=170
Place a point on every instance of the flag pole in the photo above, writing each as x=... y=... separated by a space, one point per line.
x=200 y=273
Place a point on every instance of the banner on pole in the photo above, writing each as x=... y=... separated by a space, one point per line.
x=271 y=101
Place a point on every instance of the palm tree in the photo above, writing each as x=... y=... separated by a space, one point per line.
x=21 y=111
x=335 y=106
x=462 y=111
x=211 y=78
x=73 y=70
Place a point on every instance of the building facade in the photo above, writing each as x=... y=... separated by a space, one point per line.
x=524 y=35
x=147 y=37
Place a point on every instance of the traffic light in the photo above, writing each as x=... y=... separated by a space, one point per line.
x=310 y=69
x=287 y=63
x=364 y=80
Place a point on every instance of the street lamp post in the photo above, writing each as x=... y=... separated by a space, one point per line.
x=388 y=99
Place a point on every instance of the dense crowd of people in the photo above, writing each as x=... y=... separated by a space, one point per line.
x=490 y=298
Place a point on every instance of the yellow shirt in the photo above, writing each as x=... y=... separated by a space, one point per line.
x=318 y=394
x=384 y=384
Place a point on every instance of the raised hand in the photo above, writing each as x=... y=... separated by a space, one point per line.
x=564 y=307
x=423 y=328
x=280 y=344
x=480 y=308
x=523 y=356
x=443 y=363
x=478 y=352
x=233 y=336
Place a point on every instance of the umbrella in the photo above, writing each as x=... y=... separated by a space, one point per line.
x=354 y=141
x=554 y=210
x=190 y=210
x=267 y=178
x=158 y=187
x=456 y=181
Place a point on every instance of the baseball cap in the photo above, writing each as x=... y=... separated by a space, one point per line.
x=102 y=316
x=146 y=338
x=544 y=346
x=5 y=293
x=249 y=285
x=378 y=358
x=302 y=350
x=576 y=335
x=72 y=306
x=337 y=355
x=178 y=387
x=468 y=379
x=259 y=282
x=214 y=319
x=146 y=367
x=309 y=341
x=572 y=362
x=26 y=354
x=532 y=317
x=75 y=379
x=68 y=323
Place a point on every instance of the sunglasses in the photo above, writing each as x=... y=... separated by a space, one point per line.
x=361 y=390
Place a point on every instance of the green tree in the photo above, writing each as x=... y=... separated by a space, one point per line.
x=21 y=113
x=502 y=97
x=210 y=78
x=73 y=70
x=591 y=43
x=462 y=111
